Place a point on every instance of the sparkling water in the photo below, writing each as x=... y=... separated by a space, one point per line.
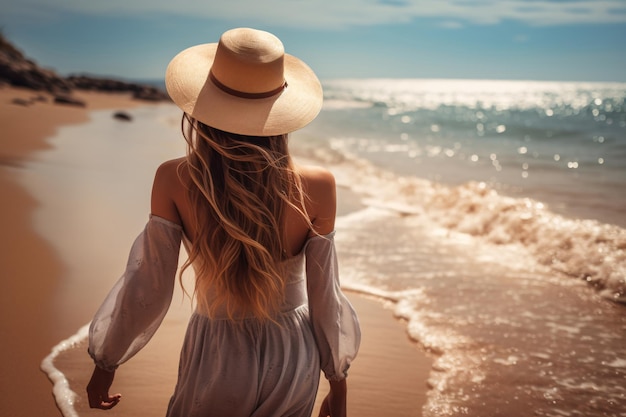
x=492 y=217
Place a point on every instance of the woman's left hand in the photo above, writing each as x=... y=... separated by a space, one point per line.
x=98 y=390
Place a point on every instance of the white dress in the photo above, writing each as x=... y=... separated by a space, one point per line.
x=227 y=368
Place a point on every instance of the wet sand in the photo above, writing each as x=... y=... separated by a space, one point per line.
x=29 y=267
x=388 y=377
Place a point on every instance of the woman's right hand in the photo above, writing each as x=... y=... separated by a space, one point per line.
x=334 y=405
x=98 y=390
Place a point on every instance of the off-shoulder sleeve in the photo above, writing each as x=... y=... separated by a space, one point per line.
x=335 y=323
x=137 y=303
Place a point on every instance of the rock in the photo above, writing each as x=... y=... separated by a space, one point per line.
x=17 y=70
x=27 y=102
x=139 y=91
x=151 y=94
x=120 y=115
x=71 y=101
x=21 y=102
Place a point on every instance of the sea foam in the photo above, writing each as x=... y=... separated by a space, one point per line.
x=63 y=394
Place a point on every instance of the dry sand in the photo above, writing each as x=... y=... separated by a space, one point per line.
x=387 y=379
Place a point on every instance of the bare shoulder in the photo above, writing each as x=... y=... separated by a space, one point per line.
x=168 y=174
x=316 y=177
x=319 y=185
x=170 y=167
x=166 y=189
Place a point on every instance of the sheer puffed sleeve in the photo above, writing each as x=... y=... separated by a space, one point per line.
x=137 y=303
x=335 y=323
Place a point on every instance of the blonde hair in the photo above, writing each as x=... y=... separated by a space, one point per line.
x=240 y=188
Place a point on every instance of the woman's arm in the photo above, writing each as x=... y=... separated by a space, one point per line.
x=334 y=321
x=98 y=390
x=334 y=404
x=143 y=293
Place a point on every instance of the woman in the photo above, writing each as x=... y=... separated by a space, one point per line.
x=259 y=233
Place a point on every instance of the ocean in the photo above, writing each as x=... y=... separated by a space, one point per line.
x=491 y=217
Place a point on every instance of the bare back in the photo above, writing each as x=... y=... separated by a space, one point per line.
x=169 y=200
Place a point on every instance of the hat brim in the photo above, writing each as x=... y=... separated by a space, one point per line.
x=188 y=84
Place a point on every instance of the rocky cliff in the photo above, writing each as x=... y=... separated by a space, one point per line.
x=18 y=70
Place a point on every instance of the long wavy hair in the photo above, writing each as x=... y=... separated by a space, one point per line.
x=240 y=189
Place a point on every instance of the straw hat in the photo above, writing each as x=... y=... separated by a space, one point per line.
x=245 y=84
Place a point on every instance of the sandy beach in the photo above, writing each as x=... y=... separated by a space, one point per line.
x=29 y=266
x=384 y=379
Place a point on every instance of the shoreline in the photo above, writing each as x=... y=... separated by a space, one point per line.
x=384 y=378
x=389 y=375
x=31 y=268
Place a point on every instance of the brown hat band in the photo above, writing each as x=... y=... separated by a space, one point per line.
x=243 y=94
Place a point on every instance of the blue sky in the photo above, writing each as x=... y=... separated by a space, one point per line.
x=563 y=40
